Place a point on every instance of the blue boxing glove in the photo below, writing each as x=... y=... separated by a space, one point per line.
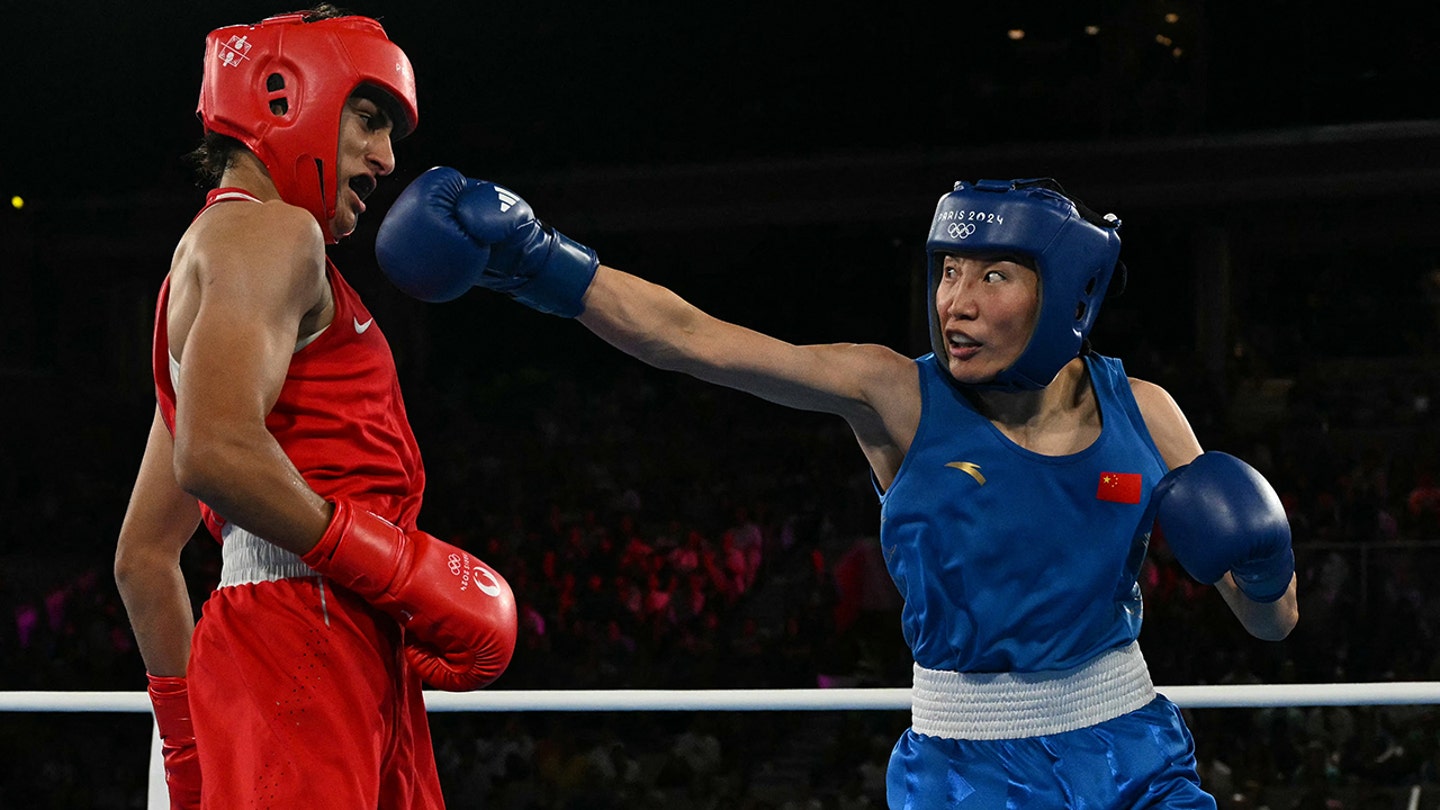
x=447 y=233
x=1220 y=514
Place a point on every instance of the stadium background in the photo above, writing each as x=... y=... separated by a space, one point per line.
x=776 y=165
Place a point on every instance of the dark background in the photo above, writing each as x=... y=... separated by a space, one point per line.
x=1274 y=164
x=776 y=156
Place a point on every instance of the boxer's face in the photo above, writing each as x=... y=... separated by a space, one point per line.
x=365 y=155
x=986 y=309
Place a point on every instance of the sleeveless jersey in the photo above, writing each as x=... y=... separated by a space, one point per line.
x=1012 y=561
x=339 y=417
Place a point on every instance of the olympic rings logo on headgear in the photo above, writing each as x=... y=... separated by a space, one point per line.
x=1076 y=253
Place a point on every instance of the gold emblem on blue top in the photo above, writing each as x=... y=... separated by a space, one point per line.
x=969 y=467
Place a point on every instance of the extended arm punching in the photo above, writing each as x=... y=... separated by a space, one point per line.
x=446 y=234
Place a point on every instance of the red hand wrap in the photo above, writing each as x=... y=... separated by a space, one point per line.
x=171 y=699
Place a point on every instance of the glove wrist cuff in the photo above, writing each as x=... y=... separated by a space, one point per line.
x=164 y=686
x=560 y=281
x=359 y=550
x=170 y=699
x=1266 y=579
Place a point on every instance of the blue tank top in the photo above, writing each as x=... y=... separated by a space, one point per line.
x=1012 y=561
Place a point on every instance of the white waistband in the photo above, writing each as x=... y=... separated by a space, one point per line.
x=1010 y=705
x=246 y=559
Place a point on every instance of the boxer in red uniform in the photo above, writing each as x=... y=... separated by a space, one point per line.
x=280 y=425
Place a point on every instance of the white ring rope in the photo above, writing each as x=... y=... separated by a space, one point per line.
x=574 y=700
x=740 y=700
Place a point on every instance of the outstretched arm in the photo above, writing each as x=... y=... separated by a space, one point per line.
x=447 y=233
x=653 y=324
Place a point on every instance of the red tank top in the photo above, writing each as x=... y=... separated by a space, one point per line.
x=340 y=416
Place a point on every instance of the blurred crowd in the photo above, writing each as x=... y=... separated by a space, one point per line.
x=660 y=533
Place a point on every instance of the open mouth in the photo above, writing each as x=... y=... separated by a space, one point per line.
x=362 y=185
x=961 y=346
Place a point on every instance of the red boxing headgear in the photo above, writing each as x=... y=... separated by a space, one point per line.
x=279 y=87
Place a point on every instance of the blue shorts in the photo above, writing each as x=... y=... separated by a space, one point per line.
x=1142 y=759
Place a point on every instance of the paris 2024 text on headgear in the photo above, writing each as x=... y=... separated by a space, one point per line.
x=1075 y=251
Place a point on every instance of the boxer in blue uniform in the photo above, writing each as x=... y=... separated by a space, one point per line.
x=1020 y=476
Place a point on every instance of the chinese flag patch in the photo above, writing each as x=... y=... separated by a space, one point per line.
x=1119 y=487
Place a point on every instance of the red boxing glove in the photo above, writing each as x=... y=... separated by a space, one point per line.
x=171 y=700
x=459 y=614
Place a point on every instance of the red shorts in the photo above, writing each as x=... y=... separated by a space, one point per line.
x=301 y=697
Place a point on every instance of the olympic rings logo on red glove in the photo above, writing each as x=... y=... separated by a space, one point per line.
x=461 y=567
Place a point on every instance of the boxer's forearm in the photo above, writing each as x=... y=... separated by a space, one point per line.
x=158 y=523
x=1269 y=621
x=241 y=472
x=158 y=605
x=646 y=321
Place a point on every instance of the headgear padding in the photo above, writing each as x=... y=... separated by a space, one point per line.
x=279 y=87
x=1075 y=252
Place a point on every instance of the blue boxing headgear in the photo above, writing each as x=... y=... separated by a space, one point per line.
x=1076 y=253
